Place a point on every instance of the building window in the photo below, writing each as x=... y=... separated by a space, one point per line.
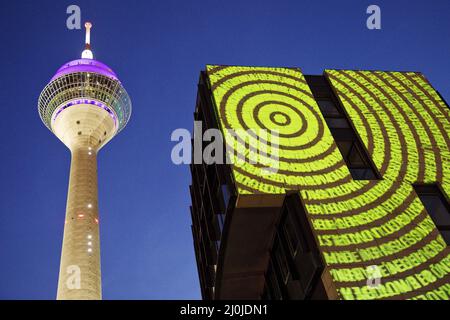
x=291 y=235
x=437 y=207
x=272 y=287
x=328 y=107
x=281 y=261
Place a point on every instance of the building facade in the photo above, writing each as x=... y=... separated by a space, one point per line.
x=357 y=206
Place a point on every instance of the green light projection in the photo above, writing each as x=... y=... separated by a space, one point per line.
x=404 y=125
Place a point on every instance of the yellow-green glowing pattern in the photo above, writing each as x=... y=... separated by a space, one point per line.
x=405 y=127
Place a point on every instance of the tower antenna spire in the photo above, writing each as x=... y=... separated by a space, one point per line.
x=87 y=53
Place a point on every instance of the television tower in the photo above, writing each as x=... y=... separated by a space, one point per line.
x=85 y=106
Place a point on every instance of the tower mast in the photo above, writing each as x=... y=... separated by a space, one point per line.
x=87 y=53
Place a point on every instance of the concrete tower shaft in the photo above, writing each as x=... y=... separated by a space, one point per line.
x=84 y=129
x=80 y=272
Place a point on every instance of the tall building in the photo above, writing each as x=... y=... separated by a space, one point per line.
x=358 y=206
x=85 y=106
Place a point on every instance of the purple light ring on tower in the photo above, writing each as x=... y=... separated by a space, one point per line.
x=85 y=65
x=93 y=102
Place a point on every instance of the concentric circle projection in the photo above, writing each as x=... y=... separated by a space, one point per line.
x=281 y=119
x=404 y=125
x=258 y=100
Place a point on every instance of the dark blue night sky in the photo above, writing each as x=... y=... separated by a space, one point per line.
x=158 y=48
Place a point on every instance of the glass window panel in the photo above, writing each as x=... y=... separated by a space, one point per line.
x=281 y=261
x=436 y=209
x=337 y=123
x=355 y=158
x=328 y=108
x=446 y=235
x=291 y=235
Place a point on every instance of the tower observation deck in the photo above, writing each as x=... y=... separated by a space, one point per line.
x=85 y=106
